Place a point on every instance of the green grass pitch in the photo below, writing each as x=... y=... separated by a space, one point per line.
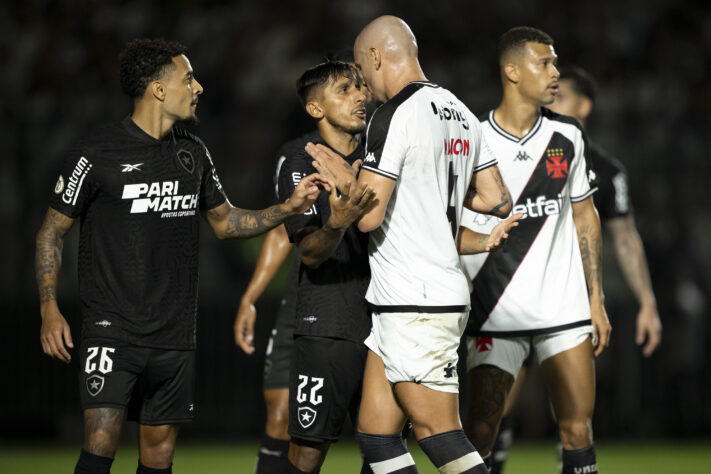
x=238 y=458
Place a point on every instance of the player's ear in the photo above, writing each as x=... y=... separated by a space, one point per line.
x=585 y=107
x=157 y=89
x=511 y=72
x=314 y=109
x=375 y=57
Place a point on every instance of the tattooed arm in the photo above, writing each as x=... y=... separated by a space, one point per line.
x=54 y=334
x=488 y=194
x=587 y=225
x=630 y=255
x=231 y=222
x=317 y=244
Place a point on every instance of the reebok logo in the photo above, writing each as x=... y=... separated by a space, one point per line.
x=127 y=168
x=160 y=197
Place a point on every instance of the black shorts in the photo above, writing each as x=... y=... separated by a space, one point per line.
x=281 y=344
x=155 y=386
x=325 y=386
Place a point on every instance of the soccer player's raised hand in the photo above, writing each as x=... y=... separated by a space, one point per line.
x=55 y=335
x=350 y=205
x=332 y=166
x=500 y=232
x=306 y=193
x=244 y=326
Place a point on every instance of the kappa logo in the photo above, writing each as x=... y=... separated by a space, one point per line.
x=450 y=370
x=127 y=168
x=369 y=158
x=94 y=384
x=523 y=156
x=556 y=164
x=186 y=159
x=59 y=187
x=483 y=344
x=307 y=416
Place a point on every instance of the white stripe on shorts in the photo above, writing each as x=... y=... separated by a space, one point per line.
x=391 y=465
x=462 y=464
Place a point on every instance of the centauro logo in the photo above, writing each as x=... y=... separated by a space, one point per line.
x=160 y=197
x=75 y=181
x=540 y=207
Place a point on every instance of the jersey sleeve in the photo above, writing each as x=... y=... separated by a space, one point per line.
x=290 y=174
x=614 y=194
x=211 y=192
x=385 y=143
x=76 y=184
x=582 y=178
x=486 y=158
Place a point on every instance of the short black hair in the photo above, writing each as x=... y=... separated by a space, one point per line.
x=517 y=37
x=582 y=81
x=144 y=60
x=325 y=73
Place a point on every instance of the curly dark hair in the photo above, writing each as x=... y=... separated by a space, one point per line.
x=517 y=37
x=145 y=60
x=323 y=74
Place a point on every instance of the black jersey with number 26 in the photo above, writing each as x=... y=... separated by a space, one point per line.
x=139 y=201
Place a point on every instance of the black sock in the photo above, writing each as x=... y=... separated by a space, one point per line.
x=151 y=470
x=500 y=450
x=291 y=469
x=580 y=461
x=92 y=464
x=453 y=450
x=388 y=452
x=273 y=456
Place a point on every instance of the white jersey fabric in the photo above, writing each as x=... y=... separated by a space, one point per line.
x=426 y=140
x=535 y=284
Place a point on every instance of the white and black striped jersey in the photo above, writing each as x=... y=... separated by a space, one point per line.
x=426 y=140
x=535 y=284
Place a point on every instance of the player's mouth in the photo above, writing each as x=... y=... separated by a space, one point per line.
x=194 y=103
x=554 y=87
x=360 y=113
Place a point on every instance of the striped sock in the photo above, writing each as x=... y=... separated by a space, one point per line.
x=452 y=453
x=386 y=454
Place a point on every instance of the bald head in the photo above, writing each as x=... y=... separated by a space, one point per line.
x=386 y=51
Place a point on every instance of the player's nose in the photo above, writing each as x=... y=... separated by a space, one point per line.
x=198 y=88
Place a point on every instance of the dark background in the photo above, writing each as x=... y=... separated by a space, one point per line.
x=59 y=78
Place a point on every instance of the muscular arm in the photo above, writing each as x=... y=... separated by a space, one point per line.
x=231 y=222
x=471 y=242
x=488 y=194
x=48 y=260
x=630 y=254
x=587 y=225
x=275 y=249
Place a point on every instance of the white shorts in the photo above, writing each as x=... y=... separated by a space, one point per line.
x=509 y=353
x=419 y=347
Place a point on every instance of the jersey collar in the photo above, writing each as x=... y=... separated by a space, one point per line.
x=513 y=138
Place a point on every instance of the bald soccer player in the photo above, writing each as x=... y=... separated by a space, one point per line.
x=425 y=159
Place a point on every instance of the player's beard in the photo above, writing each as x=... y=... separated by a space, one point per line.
x=192 y=121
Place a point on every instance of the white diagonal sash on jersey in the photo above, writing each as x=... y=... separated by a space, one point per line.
x=499 y=267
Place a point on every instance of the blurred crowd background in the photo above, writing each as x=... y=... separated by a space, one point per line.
x=59 y=79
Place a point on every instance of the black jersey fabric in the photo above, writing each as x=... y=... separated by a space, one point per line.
x=612 y=198
x=138 y=200
x=331 y=298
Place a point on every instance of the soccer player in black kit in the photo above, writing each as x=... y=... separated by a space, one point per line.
x=138 y=188
x=332 y=320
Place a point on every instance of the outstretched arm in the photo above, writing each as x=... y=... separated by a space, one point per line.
x=630 y=255
x=231 y=222
x=54 y=334
x=471 y=242
x=587 y=225
x=488 y=194
x=275 y=249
